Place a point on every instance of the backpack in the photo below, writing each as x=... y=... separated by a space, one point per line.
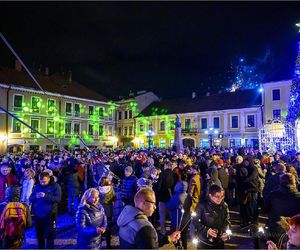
x=13 y=223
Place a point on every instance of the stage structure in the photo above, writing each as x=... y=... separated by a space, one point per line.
x=277 y=135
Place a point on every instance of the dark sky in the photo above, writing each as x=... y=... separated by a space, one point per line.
x=171 y=48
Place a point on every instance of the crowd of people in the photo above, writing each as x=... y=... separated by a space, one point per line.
x=137 y=191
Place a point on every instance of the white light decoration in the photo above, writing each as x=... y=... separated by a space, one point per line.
x=277 y=135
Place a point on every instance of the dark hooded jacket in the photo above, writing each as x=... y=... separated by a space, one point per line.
x=136 y=231
x=47 y=205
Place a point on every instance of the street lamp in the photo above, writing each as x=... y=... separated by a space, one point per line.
x=149 y=135
x=210 y=133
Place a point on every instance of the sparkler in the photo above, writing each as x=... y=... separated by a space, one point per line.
x=193 y=214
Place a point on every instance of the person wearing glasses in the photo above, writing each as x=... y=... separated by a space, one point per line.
x=136 y=231
x=212 y=220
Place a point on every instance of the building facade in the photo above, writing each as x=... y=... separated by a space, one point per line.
x=68 y=113
x=128 y=108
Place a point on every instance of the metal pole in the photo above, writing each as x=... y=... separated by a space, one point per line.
x=24 y=123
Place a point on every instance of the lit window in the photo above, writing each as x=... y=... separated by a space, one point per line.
x=50 y=127
x=35 y=104
x=50 y=106
x=187 y=124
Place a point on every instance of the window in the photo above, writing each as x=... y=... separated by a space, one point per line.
x=68 y=128
x=142 y=128
x=49 y=148
x=250 y=121
x=76 y=128
x=101 y=112
x=18 y=100
x=162 y=126
x=76 y=110
x=276 y=94
x=110 y=130
x=187 y=124
x=130 y=130
x=203 y=123
x=119 y=131
x=35 y=104
x=16 y=128
x=51 y=106
x=276 y=113
x=234 y=121
x=130 y=114
x=125 y=114
x=172 y=124
x=162 y=143
x=235 y=142
x=91 y=111
x=120 y=115
x=101 y=130
x=91 y=129
x=68 y=108
x=125 y=131
x=150 y=127
x=110 y=114
x=171 y=142
x=216 y=122
x=35 y=124
x=50 y=127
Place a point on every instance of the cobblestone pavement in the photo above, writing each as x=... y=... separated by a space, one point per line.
x=67 y=234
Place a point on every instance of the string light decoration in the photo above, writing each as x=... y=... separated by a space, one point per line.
x=294 y=103
x=277 y=135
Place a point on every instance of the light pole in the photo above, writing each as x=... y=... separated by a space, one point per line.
x=210 y=133
x=150 y=135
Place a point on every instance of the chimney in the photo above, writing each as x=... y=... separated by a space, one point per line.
x=47 y=71
x=70 y=76
x=193 y=95
x=18 y=66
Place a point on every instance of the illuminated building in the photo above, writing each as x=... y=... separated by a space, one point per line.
x=67 y=110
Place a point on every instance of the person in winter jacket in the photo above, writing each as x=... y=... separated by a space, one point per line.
x=136 y=231
x=129 y=186
x=107 y=199
x=175 y=206
x=284 y=201
x=91 y=221
x=6 y=179
x=166 y=183
x=212 y=220
x=45 y=198
x=27 y=185
x=72 y=183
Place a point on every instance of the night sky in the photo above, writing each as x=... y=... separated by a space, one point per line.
x=171 y=48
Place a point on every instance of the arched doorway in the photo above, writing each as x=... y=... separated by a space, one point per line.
x=188 y=142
